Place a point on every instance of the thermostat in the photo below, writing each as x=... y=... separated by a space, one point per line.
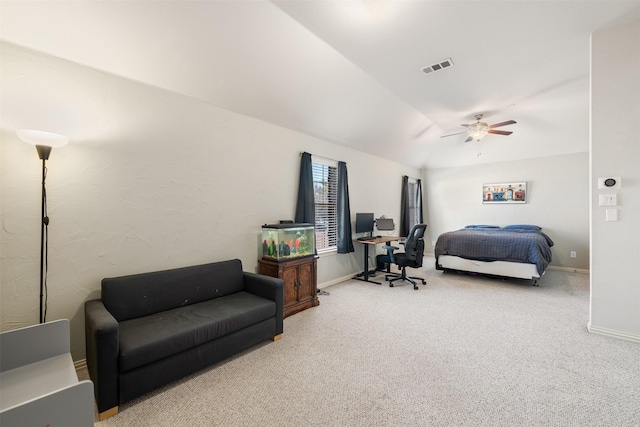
x=614 y=182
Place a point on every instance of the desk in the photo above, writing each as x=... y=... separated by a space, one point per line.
x=372 y=242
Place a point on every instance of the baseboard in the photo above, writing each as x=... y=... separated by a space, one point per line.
x=350 y=276
x=568 y=269
x=80 y=364
x=612 y=333
x=334 y=281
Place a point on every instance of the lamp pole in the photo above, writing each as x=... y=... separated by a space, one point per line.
x=44 y=142
x=43 y=153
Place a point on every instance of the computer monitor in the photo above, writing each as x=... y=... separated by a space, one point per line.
x=364 y=223
x=385 y=224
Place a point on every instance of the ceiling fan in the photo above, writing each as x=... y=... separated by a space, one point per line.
x=479 y=130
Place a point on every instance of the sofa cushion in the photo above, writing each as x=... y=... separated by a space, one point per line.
x=147 y=339
x=138 y=295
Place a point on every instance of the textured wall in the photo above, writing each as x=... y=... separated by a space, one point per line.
x=150 y=180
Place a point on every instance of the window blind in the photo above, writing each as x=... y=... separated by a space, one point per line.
x=325 y=188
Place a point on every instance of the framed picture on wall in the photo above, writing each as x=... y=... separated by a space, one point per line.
x=510 y=192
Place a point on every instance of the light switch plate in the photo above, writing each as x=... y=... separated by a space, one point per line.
x=608 y=199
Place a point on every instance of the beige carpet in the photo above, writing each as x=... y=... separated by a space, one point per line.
x=463 y=351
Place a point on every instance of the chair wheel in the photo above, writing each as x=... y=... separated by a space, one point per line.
x=391 y=285
x=415 y=287
x=424 y=282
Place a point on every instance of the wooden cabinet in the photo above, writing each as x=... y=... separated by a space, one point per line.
x=300 y=282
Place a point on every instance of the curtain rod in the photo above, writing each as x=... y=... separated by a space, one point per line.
x=320 y=157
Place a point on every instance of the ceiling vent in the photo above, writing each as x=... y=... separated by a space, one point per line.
x=440 y=65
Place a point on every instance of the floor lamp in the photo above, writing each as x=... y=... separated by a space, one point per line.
x=44 y=142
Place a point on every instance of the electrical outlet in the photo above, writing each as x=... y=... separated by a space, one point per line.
x=573 y=254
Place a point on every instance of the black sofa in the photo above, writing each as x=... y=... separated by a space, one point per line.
x=150 y=329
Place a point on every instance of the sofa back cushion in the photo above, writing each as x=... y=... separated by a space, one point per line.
x=138 y=295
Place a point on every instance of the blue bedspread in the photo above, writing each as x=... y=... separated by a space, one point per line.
x=497 y=244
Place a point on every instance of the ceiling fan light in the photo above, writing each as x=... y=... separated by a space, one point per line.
x=478 y=134
x=478 y=130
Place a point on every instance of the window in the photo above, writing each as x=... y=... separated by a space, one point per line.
x=325 y=189
x=414 y=203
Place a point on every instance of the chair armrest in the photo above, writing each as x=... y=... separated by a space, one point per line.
x=390 y=250
x=102 y=345
x=271 y=288
x=31 y=344
x=68 y=406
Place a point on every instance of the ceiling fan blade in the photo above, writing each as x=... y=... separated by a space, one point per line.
x=508 y=122
x=499 y=132
x=452 y=134
x=469 y=139
x=465 y=125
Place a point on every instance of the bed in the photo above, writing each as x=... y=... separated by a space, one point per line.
x=516 y=251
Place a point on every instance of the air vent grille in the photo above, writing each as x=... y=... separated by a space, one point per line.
x=440 y=65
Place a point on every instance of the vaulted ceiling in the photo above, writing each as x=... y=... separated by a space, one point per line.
x=350 y=72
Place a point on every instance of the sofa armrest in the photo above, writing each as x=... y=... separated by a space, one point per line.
x=270 y=288
x=102 y=345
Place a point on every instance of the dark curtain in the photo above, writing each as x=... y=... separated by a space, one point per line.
x=405 y=209
x=345 y=243
x=306 y=205
x=419 y=215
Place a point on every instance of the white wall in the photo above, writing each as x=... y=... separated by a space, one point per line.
x=615 y=151
x=557 y=201
x=150 y=180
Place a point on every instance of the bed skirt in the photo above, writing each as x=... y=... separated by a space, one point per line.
x=518 y=270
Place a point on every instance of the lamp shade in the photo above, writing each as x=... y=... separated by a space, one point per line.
x=39 y=137
x=478 y=134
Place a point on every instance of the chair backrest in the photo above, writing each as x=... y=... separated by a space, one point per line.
x=414 y=244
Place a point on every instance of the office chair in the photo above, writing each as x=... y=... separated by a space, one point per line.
x=412 y=256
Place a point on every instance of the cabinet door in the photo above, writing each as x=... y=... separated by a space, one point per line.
x=290 y=277
x=306 y=289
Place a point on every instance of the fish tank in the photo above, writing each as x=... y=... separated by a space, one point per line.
x=283 y=242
